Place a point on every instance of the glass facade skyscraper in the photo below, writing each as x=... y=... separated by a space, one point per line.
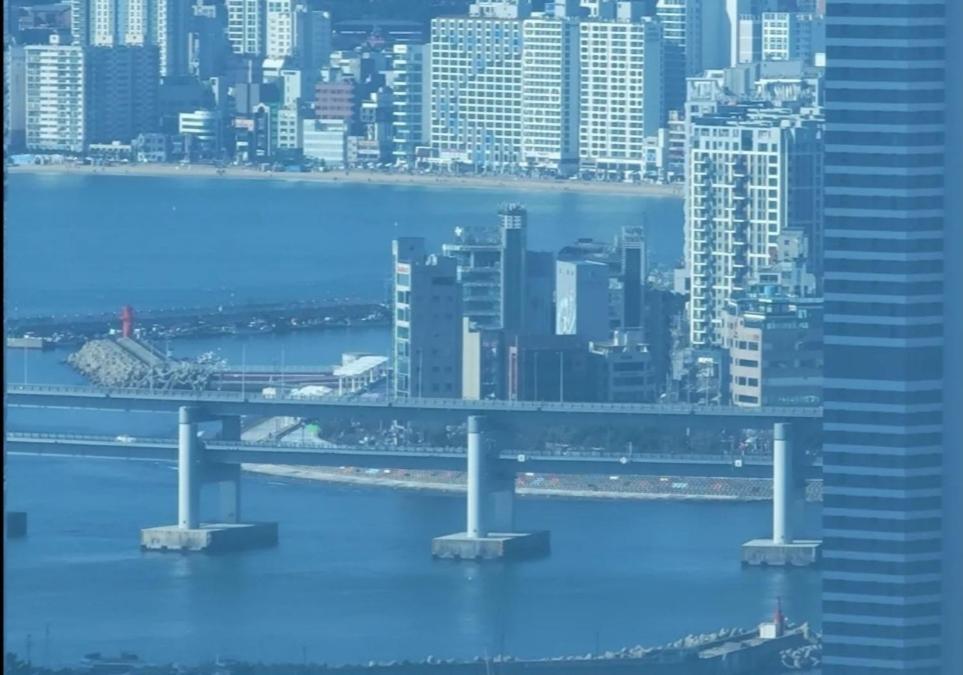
x=883 y=414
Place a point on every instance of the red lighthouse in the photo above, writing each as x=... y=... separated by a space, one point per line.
x=127 y=321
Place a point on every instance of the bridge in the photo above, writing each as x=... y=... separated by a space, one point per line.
x=506 y=416
x=393 y=457
x=491 y=470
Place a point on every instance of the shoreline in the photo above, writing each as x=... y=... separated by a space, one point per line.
x=311 y=474
x=359 y=177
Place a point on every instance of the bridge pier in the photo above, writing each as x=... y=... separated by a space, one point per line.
x=190 y=534
x=783 y=549
x=489 y=509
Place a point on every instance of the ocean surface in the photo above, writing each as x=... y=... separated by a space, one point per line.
x=352 y=579
x=82 y=243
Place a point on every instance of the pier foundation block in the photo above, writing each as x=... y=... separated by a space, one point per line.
x=799 y=553
x=493 y=546
x=210 y=537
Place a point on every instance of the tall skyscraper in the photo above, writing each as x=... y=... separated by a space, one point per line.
x=279 y=30
x=55 y=97
x=476 y=85
x=550 y=92
x=953 y=357
x=514 y=231
x=412 y=98
x=883 y=402
x=621 y=93
x=753 y=172
x=682 y=46
x=169 y=30
x=80 y=22
x=245 y=26
x=312 y=40
x=121 y=90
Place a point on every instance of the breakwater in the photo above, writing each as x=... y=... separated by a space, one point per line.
x=725 y=652
x=179 y=322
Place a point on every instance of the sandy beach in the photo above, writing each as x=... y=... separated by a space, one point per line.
x=382 y=481
x=356 y=177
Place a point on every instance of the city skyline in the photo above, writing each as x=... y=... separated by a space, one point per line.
x=810 y=151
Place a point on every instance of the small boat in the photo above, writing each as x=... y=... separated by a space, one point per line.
x=95 y=662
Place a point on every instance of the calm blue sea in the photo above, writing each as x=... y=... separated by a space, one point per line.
x=352 y=579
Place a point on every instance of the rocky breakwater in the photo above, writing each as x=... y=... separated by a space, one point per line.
x=126 y=362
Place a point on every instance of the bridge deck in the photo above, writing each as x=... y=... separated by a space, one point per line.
x=506 y=414
x=427 y=458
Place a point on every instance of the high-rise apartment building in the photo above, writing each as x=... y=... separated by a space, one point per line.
x=14 y=97
x=550 y=92
x=80 y=22
x=114 y=23
x=790 y=35
x=752 y=172
x=279 y=28
x=883 y=437
x=476 y=85
x=412 y=99
x=121 y=88
x=312 y=40
x=245 y=26
x=427 y=323
x=682 y=44
x=169 y=29
x=621 y=98
x=55 y=98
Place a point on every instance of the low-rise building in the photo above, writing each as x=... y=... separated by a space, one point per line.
x=626 y=369
x=325 y=141
x=775 y=350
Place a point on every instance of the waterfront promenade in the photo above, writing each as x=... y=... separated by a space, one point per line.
x=357 y=176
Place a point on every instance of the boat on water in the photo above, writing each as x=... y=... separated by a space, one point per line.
x=126 y=662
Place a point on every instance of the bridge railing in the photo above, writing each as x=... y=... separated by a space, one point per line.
x=519 y=455
x=431 y=403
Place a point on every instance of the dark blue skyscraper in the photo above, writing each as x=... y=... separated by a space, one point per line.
x=884 y=336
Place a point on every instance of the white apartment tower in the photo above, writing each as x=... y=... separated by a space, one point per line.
x=790 y=35
x=245 y=26
x=550 y=93
x=55 y=98
x=752 y=173
x=476 y=85
x=279 y=29
x=412 y=121
x=621 y=92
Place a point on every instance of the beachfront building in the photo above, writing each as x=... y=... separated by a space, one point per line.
x=56 y=101
x=476 y=86
x=550 y=90
x=411 y=65
x=325 y=141
x=621 y=99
